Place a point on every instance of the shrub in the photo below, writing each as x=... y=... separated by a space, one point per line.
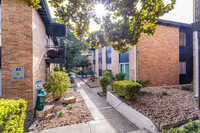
x=12 y=115
x=164 y=93
x=75 y=71
x=128 y=89
x=106 y=73
x=188 y=87
x=56 y=69
x=120 y=76
x=143 y=83
x=191 y=127
x=104 y=82
x=57 y=83
x=64 y=70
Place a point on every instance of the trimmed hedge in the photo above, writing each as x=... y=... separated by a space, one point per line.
x=127 y=89
x=12 y=115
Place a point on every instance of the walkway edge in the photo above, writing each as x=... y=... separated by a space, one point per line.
x=131 y=114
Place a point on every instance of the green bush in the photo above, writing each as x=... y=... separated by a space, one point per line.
x=106 y=73
x=128 y=89
x=57 y=83
x=75 y=71
x=104 y=82
x=56 y=69
x=143 y=83
x=12 y=115
x=120 y=76
x=191 y=127
x=64 y=70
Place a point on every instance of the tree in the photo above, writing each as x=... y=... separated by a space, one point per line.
x=73 y=46
x=121 y=27
x=82 y=61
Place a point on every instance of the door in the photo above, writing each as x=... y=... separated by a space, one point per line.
x=124 y=68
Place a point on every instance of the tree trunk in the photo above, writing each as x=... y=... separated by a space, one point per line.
x=86 y=72
x=82 y=71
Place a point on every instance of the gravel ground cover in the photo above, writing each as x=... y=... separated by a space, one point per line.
x=90 y=83
x=79 y=113
x=165 y=104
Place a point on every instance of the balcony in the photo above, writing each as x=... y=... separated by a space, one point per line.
x=55 y=55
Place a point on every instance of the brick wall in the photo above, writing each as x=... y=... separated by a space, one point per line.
x=17 y=50
x=104 y=58
x=158 y=57
x=115 y=61
x=39 y=50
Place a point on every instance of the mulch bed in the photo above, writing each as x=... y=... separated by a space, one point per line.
x=177 y=105
x=78 y=114
x=90 y=83
x=28 y=120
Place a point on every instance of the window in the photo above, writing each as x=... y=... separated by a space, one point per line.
x=182 y=39
x=182 y=67
x=94 y=55
x=108 y=66
x=100 y=66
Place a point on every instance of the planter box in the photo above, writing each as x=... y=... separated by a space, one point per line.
x=131 y=114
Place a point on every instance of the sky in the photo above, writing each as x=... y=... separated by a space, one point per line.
x=183 y=12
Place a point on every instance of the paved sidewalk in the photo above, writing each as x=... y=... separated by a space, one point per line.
x=106 y=118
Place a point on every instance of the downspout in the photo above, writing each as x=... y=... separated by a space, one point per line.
x=197 y=63
x=135 y=60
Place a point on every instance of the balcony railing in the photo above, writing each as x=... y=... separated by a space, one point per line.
x=55 y=55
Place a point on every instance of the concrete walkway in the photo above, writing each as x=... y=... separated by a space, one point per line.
x=106 y=118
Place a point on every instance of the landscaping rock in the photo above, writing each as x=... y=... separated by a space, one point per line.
x=69 y=100
x=34 y=125
x=47 y=110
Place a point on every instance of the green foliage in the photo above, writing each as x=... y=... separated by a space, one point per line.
x=128 y=89
x=73 y=47
x=120 y=76
x=70 y=106
x=143 y=83
x=56 y=69
x=12 y=115
x=57 y=83
x=75 y=71
x=64 y=70
x=164 y=93
x=121 y=27
x=33 y=3
x=104 y=82
x=60 y=113
x=106 y=73
x=191 y=127
x=188 y=87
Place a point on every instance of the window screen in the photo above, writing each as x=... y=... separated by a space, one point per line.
x=182 y=39
x=108 y=66
x=182 y=68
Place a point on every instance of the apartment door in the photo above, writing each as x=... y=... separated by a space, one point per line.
x=124 y=68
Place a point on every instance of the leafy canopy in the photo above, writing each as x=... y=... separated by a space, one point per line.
x=121 y=27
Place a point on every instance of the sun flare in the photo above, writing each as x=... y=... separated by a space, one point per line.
x=99 y=10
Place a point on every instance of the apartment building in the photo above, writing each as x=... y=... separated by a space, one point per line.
x=25 y=34
x=164 y=59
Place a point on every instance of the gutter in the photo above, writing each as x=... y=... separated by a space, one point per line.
x=135 y=64
x=197 y=63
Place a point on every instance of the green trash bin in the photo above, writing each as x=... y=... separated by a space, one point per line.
x=40 y=101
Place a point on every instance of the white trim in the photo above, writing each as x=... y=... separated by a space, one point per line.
x=135 y=62
x=197 y=63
